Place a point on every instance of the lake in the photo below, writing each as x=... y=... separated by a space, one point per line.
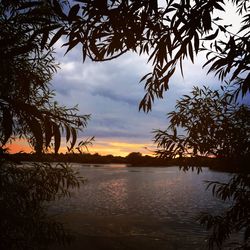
x=122 y=207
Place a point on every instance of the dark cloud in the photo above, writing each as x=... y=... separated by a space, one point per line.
x=111 y=93
x=107 y=93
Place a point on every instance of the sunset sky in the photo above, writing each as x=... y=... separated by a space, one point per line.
x=111 y=93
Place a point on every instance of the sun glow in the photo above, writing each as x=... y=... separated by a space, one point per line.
x=118 y=148
x=18 y=146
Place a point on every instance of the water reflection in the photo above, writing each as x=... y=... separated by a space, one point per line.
x=116 y=192
x=152 y=204
x=158 y=192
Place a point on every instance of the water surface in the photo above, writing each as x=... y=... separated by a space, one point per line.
x=158 y=202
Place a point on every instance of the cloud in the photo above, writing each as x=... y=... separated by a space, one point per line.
x=107 y=93
x=111 y=92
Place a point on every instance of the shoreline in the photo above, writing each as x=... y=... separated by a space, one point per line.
x=233 y=165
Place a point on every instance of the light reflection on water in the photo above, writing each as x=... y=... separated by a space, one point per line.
x=160 y=203
x=148 y=191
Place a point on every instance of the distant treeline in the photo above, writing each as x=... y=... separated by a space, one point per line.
x=135 y=159
x=132 y=159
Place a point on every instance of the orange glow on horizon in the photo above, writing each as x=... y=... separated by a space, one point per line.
x=118 y=148
x=102 y=147
x=19 y=145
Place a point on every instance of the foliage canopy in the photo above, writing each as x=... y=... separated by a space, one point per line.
x=235 y=218
x=212 y=123
x=168 y=34
x=27 y=108
x=25 y=191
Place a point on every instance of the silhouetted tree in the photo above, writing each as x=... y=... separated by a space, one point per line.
x=27 y=110
x=25 y=191
x=214 y=125
x=234 y=219
x=168 y=34
x=206 y=123
x=135 y=158
x=175 y=31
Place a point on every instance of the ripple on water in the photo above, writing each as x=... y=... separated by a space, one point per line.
x=156 y=202
x=158 y=192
